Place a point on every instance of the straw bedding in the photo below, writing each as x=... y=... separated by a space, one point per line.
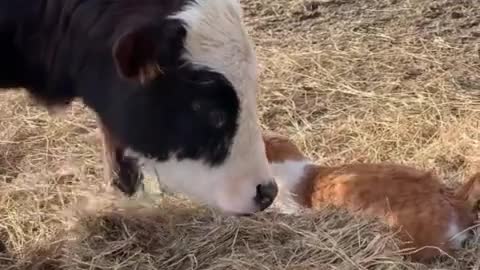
x=348 y=81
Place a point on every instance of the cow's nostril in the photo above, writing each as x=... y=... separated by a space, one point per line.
x=266 y=194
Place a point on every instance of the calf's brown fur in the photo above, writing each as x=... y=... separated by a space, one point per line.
x=430 y=217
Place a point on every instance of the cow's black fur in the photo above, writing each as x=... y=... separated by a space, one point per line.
x=60 y=50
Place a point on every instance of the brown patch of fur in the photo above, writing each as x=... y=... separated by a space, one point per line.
x=149 y=73
x=470 y=192
x=110 y=165
x=405 y=198
x=305 y=187
x=120 y=172
x=279 y=148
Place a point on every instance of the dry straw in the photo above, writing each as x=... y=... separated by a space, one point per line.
x=348 y=80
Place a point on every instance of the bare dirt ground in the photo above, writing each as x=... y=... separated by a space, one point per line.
x=348 y=80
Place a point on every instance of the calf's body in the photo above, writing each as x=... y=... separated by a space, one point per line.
x=430 y=217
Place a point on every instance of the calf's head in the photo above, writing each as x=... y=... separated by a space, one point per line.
x=189 y=111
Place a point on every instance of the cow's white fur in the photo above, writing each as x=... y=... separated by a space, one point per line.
x=216 y=39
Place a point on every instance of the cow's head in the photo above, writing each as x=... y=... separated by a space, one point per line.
x=191 y=115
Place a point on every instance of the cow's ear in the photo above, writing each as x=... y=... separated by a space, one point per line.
x=140 y=54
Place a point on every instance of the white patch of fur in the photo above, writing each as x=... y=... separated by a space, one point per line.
x=230 y=187
x=454 y=234
x=288 y=175
x=289 y=172
x=216 y=38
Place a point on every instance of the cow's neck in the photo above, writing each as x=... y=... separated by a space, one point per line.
x=50 y=47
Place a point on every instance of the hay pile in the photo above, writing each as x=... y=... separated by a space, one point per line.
x=101 y=232
x=134 y=236
x=347 y=80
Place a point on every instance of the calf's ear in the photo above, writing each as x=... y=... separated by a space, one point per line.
x=140 y=54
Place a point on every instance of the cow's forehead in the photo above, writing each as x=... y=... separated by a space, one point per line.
x=216 y=38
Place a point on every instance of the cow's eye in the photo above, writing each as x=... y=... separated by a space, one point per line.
x=199 y=105
x=217 y=118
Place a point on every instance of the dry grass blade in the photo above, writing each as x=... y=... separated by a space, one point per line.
x=347 y=80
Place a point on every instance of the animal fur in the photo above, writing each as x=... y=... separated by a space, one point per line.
x=430 y=217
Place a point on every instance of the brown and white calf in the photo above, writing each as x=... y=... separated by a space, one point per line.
x=173 y=83
x=429 y=216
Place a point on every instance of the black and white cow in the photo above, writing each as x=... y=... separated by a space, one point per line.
x=173 y=83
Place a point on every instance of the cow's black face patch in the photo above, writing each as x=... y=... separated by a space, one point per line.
x=187 y=112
